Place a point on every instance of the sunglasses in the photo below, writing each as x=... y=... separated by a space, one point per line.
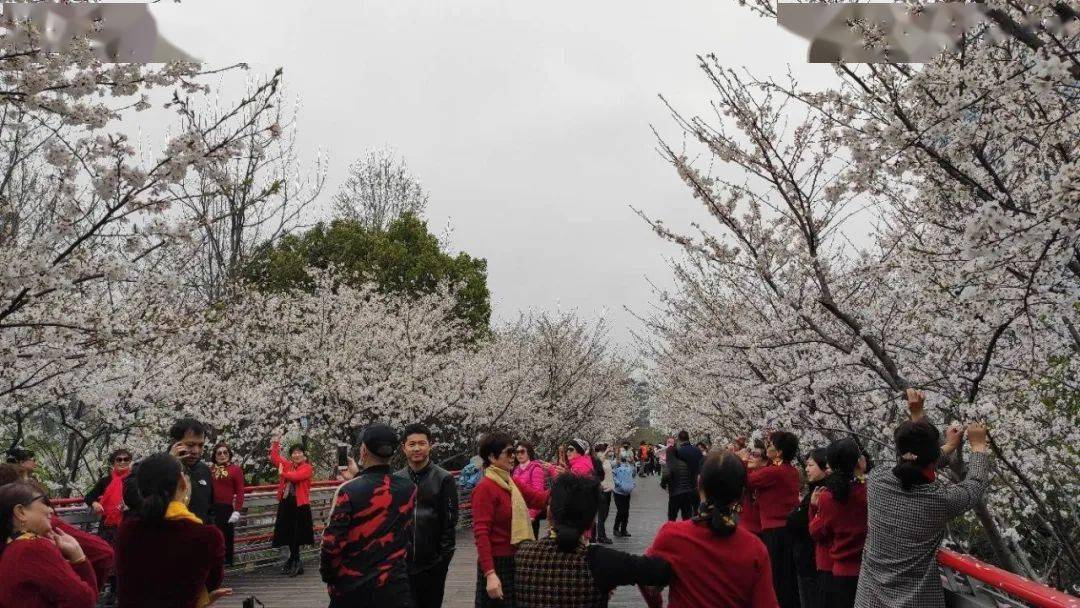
x=123 y=459
x=43 y=498
x=220 y=452
x=522 y=451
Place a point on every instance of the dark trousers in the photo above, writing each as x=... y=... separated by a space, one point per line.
x=222 y=512
x=785 y=583
x=394 y=594
x=504 y=568
x=841 y=592
x=622 y=512
x=681 y=505
x=428 y=586
x=809 y=592
x=824 y=583
x=601 y=514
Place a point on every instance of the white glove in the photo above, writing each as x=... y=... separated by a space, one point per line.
x=235 y=517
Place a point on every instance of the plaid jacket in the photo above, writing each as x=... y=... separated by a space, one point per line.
x=366 y=538
x=904 y=531
x=548 y=578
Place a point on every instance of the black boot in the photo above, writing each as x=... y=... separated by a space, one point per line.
x=297 y=568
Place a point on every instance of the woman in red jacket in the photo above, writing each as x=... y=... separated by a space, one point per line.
x=228 y=482
x=166 y=556
x=838 y=519
x=293 y=526
x=39 y=567
x=714 y=561
x=776 y=488
x=98 y=552
x=500 y=511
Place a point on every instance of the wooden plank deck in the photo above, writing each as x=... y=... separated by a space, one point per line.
x=648 y=510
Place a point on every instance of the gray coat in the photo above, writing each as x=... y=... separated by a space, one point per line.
x=904 y=531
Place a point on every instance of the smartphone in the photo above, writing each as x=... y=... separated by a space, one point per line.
x=343 y=456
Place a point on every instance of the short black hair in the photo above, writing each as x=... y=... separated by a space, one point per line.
x=493 y=444
x=416 y=428
x=297 y=447
x=787 y=443
x=684 y=436
x=17 y=455
x=117 y=452
x=184 y=426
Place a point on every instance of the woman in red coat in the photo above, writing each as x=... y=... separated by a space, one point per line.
x=40 y=567
x=293 y=526
x=714 y=561
x=98 y=552
x=228 y=482
x=776 y=488
x=838 y=520
x=167 y=557
x=500 y=510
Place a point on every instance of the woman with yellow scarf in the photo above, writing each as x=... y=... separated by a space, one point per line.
x=167 y=556
x=500 y=511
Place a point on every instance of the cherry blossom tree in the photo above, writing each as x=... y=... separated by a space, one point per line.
x=910 y=226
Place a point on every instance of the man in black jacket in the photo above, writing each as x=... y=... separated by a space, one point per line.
x=188 y=437
x=435 y=518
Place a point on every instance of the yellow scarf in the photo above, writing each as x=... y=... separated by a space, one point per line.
x=520 y=524
x=177 y=511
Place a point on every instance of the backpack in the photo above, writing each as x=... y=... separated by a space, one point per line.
x=624 y=479
x=470 y=476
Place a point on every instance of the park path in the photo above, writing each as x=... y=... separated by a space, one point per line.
x=648 y=510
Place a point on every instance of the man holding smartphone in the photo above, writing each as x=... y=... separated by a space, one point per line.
x=435 y=518
x=188 y=438
x=365 y=542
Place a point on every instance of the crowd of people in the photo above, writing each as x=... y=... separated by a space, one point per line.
x=746 y=527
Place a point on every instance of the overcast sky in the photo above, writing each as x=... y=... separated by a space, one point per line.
x=528 y=122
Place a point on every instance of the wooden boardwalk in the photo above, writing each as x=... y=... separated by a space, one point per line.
x=648 y=510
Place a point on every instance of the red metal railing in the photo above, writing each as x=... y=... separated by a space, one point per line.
x=1028 y=591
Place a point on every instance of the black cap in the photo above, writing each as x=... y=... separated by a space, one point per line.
x=17 y=455
x=380 y=440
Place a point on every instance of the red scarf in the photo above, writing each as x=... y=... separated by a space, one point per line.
x=930 y=472
x=113 y=497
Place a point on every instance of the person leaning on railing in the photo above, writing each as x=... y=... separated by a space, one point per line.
x=908 y=508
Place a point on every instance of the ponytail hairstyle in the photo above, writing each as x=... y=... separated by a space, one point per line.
x=917 y=447
x=723 y=479
x=13 y=495
x=157 y=479
x=843 y=458
x=574 y=501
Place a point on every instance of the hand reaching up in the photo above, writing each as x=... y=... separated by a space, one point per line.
x=916 y=402
x=977 y=436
